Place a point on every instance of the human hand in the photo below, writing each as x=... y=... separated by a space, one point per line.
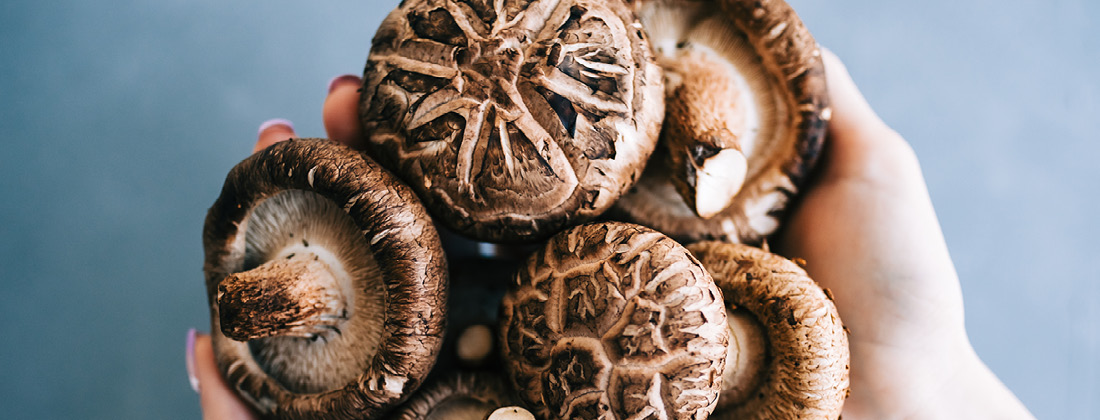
x=867 y=231
x=218 y=401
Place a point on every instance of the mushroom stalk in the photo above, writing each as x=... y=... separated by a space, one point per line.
x=708 y=112
x=297 y=294
x=747 y=357
x=511 y=413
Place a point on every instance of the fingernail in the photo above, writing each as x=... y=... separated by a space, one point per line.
x=191 y=360
x=274 y=122
x=343 y=79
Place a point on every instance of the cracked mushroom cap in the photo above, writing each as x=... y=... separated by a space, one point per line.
x=614 y=321
x=461 y=395
x=326 y=280
x=788 y=355
x=746 y=114
x=512 y=119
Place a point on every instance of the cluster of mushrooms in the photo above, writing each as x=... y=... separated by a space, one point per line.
x=630 y=152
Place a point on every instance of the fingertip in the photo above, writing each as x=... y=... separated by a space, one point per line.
x=344 y=80
x=273 y=131
x=190 y=359
x=340 y=113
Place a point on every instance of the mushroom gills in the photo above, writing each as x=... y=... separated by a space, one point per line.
x=305 y=227
x=722 y=106
x=460 y=408
x=461 y=395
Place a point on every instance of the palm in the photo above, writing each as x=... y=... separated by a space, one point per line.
x=868 y=234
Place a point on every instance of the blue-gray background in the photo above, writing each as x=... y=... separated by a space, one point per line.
x=119 y=120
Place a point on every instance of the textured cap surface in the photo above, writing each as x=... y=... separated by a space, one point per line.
x=614 y=321
x=512 y=119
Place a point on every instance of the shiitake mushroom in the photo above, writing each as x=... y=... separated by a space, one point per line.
x=326 y=282
x=512 y=119
x=746 y=114
x=515 y=120
x=614 y=320
x=788 y=355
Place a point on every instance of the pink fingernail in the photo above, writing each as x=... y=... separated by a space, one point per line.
x=191 y=360
x=342 y=79
x=274 y=122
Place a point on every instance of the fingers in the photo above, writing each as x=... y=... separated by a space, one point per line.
x=273 y=131
x=341 y=110
x=340 y=114
x=851 y=112
x=217 y=400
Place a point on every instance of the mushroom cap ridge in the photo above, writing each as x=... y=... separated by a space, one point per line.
x=512 y=120
x=614 y=319
x=407 y=249
x=792 y=56
x=807 y=368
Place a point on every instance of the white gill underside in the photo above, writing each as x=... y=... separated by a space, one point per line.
x=702 y=27
x=298 y=221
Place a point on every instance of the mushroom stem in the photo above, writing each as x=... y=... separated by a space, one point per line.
x=296 y=294
x=709 y=112
x=746 y=360
x=511 y=413
x=475 y=344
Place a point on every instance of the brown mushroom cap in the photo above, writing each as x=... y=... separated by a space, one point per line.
x=746 y=116
x=512 y=119
x=616 y=320
x=456 y=396
x=389 y=273
x=781 y=317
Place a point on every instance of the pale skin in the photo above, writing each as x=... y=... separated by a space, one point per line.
x=867 y=231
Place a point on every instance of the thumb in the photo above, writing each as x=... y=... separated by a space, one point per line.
x=217 y=400
x=851 y=114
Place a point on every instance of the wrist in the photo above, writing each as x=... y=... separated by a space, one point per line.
x=972 y=391
x=955 y=385
x=943 y=380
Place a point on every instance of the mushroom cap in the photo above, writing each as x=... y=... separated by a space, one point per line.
x=617 y=320
x=457 y=395
x=408 y=265
x=805 y=347
x=790 y=114
x=512 y=119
